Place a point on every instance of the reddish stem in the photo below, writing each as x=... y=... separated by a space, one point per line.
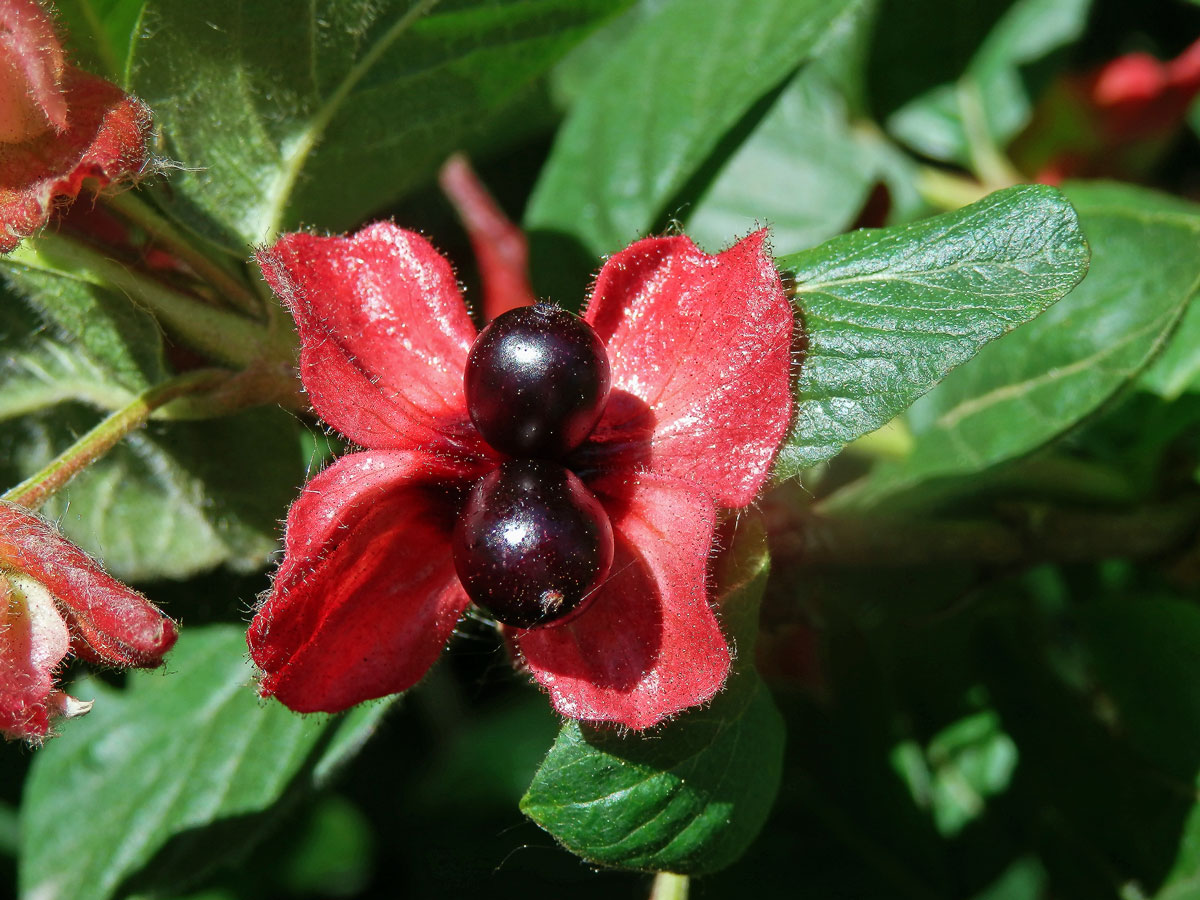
x=500 y=247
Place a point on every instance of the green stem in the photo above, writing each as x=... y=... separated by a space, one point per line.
x=172 y=239
x=893 y=441
x=669 y=886
x=35 y=490
x=987 y=160
x=221 y=334
x=948 y=191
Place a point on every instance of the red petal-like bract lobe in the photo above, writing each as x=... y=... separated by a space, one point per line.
x=384 y=334
x=31 y=72
x=105 y=140
x=649 y=645
x=701 y=351
x=367 y=595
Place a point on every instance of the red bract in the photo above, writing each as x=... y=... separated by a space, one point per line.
x=58 y=125
x=366 y=596
x=56 y=600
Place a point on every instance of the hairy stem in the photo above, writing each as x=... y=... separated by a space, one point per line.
x=35 y=490
x=170 y=238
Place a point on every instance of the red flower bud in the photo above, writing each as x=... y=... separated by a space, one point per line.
x=56 y=600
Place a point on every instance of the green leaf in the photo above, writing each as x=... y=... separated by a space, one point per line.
x=663 y=101
x=99 y=34
x=888 y=313
x=803 y=148
x=119 y=337
x=807 y=168
x=172 y=499
x=993 y=93
x=37 y=370
x=1177 y=369
x=171 y=777
x=964 y=764
x=284 y=115
x=1033 y=386
x=571 y=75
x=686 y=797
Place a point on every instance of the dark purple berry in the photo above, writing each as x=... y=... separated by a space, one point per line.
x=532 y=543
x=536 y=381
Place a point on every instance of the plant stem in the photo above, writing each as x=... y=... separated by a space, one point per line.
x=35 y=490
x=893 y=441
x=948 y=191
x=223 y=335
x=172 y=239
x=669 y=886
x=987 y=160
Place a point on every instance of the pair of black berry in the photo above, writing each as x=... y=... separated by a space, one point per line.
x=532 y=543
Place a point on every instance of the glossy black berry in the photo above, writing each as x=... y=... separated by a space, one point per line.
x=536 y=381
x=532 y=543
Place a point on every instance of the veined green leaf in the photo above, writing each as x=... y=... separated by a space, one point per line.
x=688 y=796
x=38 y=370
x=888 y=313
x=171 y=777
x=174 y=498
x=343 y=109
x=663 y=101
x=1031 y=387
x=123 y=340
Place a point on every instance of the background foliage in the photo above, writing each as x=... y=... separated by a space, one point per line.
x=974 y=669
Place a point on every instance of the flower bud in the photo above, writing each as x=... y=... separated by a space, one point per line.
x=56 y=600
